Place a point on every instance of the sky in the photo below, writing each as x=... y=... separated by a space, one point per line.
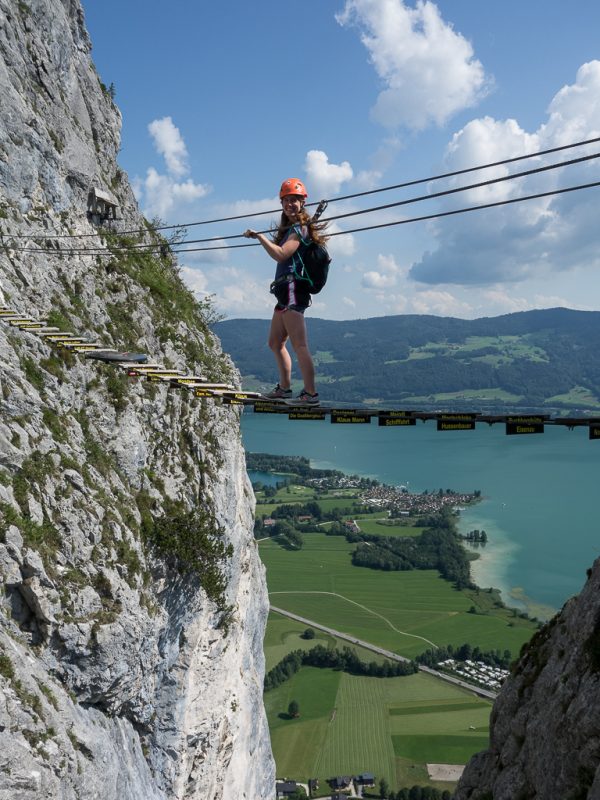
x=223 y=101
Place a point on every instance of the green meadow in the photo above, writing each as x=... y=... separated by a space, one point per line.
x=284 y=635
x=326 y=504
x=473 y=394
x=578 y=395
x=392 y=727
x=404 y=612
x=375 y=527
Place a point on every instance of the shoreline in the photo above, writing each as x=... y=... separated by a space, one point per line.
x=495 y=557
x=493 y=560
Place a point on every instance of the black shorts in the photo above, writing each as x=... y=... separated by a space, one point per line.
x=293 y=296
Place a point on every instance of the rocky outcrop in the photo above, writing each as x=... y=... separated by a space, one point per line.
x=545 y=726
x=128 y=668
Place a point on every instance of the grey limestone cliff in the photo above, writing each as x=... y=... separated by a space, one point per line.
x=131 y=661
x=545 y=726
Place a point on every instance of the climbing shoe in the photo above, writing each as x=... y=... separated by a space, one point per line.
x=278 y=393
x=304 y=399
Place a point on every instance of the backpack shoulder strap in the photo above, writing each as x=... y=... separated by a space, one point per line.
x=297 y=260
x=297 y=229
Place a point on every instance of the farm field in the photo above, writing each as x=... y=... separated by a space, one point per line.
x=374 y=527
x=390 y=726
x=283 y=635
x=404 y=612
x=469 y=394
x=326 y=504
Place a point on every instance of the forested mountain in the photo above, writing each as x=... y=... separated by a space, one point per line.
x=546 y=359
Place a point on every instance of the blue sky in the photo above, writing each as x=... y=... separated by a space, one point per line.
x=222 y=101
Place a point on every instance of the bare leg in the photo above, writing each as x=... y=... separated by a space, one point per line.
x=295 y=327
x=277 y=339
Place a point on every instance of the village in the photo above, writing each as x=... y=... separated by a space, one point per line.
x=476 y=672
x=397 y=500
x=342 y=787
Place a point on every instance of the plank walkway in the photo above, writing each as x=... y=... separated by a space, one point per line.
x=138 y=365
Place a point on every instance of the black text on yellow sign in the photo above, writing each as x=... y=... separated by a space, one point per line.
x=350 y=417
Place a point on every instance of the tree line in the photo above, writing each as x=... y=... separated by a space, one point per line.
x=437 y=547
x=414 y=793
x=345 y=660
x=296 y=465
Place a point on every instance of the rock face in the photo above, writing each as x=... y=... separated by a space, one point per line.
x=132 y=598
x=545 y=726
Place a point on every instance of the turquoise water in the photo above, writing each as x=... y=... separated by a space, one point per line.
x=266 y=478
x=540 y=491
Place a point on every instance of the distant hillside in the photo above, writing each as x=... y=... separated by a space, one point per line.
x=536 y=359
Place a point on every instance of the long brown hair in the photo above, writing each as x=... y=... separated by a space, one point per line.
x=316 y=230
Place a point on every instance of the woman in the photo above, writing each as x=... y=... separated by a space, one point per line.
x=296 y=228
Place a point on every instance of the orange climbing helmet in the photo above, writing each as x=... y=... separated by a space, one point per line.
x=292 y=186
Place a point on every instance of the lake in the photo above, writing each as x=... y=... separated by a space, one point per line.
x=540 y=491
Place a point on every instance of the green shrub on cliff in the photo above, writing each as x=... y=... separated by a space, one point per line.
x=191 y=542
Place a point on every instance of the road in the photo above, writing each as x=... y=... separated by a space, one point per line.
x=489 y=695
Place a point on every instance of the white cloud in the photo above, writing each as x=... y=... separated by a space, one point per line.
x=236 y=293
x=169 y=143
x=389 y=303
x=325 y=179
x=195 y=280
x=441 y=303
x=376 y=280
x=368 y=179
x=193 y=256
x=393 y=303
x=556 y=301
x=530 y=240
x=575 y=109
x=342 y=245
x=161 y=193
x=429 y=70
x=348 y=301
x=484 y=141
x=245 y=296
x=248 y=207
x=137 y=186
x=318 y=305
x=385 y=276
x=502 y=302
